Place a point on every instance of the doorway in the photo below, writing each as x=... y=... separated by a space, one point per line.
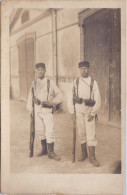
x=26 y=49
x=102 y=48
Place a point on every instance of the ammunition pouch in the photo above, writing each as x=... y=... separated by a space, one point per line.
x=90 y=102
x=77 y=100
x=46 y=105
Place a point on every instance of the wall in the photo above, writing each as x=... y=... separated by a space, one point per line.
x=70 y=35
x=15 y=91
x=68 y=47
x=44 y=52
x=43 y=38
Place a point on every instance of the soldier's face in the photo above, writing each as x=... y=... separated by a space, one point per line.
x=41 y=73
x=84 y=72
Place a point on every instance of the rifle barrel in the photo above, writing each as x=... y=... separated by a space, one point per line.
x=32 y=127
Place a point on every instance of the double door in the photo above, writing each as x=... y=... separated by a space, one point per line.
x=102 y=48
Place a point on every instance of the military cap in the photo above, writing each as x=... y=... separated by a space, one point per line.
x=83 y=64
x=40 y=65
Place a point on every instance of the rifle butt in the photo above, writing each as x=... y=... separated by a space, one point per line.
x=31 y=148
x=73 y=159
x=31 y=155
x=74 y=144
x=32 y=136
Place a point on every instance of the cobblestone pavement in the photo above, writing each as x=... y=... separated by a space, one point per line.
x=108 y=150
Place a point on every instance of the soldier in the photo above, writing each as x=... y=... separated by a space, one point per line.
x=85 y=95
x=47 y=96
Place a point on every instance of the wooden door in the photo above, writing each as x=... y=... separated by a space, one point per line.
x=26 y=66
x=30 y=62
x=115 y=65
x=102 y=50
x=22 y=70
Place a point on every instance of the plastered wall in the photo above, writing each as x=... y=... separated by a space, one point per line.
x=68 y=49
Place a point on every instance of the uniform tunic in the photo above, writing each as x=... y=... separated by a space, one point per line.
x=44 y=124
x=86 y=130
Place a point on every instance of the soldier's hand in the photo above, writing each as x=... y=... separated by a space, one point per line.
x=37 y=101
x=49 y=103
x=90 y=117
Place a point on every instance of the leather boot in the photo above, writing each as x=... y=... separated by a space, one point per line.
x=92 y=157
x=51 y=153
x=44 y=148
x=84 y=152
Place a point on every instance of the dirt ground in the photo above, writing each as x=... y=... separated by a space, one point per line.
x=108 y=150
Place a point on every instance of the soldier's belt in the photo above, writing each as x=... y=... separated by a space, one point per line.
x=87 y=102
x=43 y=104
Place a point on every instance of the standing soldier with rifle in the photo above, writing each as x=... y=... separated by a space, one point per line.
x=85 y=97
x=46 y=97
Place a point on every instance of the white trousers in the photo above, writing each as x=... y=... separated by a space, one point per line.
x=86 y=130
x=44 y=126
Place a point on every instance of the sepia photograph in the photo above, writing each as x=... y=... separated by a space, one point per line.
x=65 y=90
x=63 y=97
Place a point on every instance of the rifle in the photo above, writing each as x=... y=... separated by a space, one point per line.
x=32 y=126
x=74 y=128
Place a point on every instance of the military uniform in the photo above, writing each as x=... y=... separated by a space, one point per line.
x=44 y=124
x=86 y=129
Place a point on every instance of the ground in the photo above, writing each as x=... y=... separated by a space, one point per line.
x=108 y=150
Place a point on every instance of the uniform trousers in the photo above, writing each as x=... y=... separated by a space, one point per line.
x=44 y=126
x=86 y=130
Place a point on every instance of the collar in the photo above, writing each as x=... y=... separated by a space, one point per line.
x=41 y=83
x=41 y=80
x=86 y=79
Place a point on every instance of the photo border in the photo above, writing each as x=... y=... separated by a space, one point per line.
x=56 y=183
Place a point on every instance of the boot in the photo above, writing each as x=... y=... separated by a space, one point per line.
x=84 y=152
x=44 y=148
x=51 y=153
x=92 y=157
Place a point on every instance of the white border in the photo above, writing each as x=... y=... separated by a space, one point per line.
x=54 y=183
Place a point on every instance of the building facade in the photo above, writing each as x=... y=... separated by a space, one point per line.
x=61 y=38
